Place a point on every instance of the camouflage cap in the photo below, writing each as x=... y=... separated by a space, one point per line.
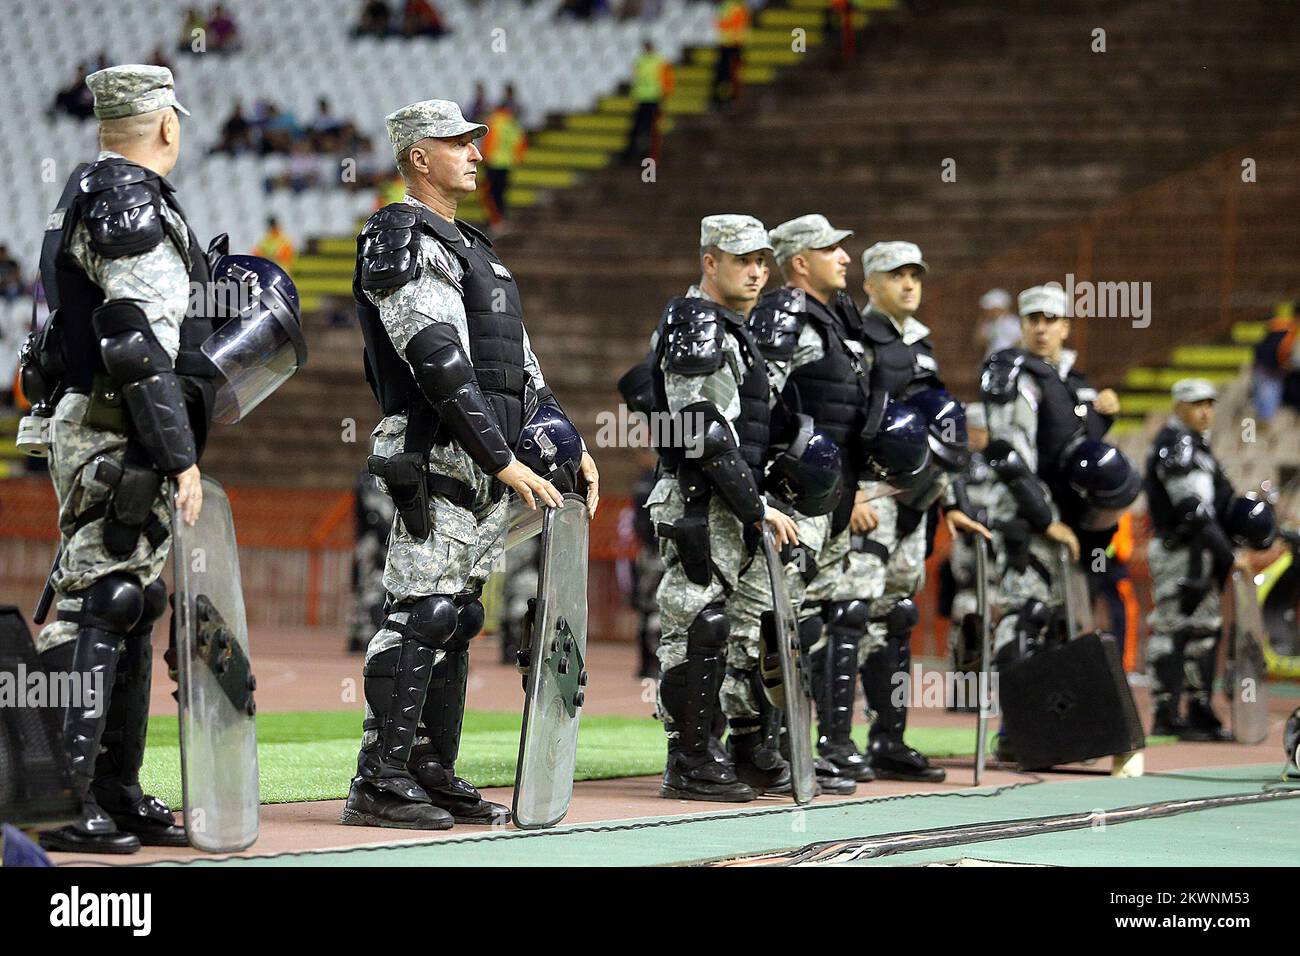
x=888 y=256
x=738 y=235
x=440 y=119
x=1194 y=390
x=133 y=89
x=1048 y=299
x=807 y=232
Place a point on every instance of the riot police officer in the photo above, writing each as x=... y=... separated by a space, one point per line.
x=1197 y=518
x=450 y=363
x=803 y=329
x=131 y=393
x=887 y=561
x=708 y=375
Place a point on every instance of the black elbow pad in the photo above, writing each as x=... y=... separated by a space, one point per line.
x=151 y=390
x=1032 y=503
x=709 y=440
x=445 y=375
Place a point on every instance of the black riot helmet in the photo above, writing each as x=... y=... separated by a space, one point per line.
x=807 y=471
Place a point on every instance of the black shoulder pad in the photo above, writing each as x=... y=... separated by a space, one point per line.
x=1175 y=452
x=775 y=323
x=388 y=249
x=694 y=330
x=999 y=377
x=878 y=330
x=123 y=209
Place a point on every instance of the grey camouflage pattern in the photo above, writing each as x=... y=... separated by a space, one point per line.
x=904 y=573
x=440 y=119
x=132 y=89
x=732 y=233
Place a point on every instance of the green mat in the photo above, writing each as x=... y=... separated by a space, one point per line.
x=311 y=755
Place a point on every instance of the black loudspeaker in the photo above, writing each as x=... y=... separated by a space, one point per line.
x=1069 y=703
x=34 y=783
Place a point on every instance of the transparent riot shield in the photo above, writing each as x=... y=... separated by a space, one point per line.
x=792 y=694
x=1247 y=669
x=218 y=735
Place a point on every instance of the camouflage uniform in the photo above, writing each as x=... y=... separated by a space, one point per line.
x=375 y=514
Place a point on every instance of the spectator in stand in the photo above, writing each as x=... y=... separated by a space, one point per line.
x=376 y=19
x=578 y=9
x=652 y=82
x=236 y=134
x=325 y=129
x=510 y=101
x=193 y=28
x=1276 y=375
x=999 y=327
x=479 y=105
x=159 y=58
x=280 y=130
x=503 y=148
x=223 y=35
x=733 y=24
x=77 y=100
x=420 y=18
x=276 y=246
x=11 y=275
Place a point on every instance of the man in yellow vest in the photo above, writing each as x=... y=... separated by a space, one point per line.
x=276 y=246
x=652 y=82
x=733 y=24
x=503 y=149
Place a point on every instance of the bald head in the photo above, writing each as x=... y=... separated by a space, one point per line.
x=151 y=139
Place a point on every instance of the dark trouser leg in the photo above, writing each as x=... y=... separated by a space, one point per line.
x=433 y=758
x=890 y=757
x=689 y=693
x=1201 y=654
x=1167 y=671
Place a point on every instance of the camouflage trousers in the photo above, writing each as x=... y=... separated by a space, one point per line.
x=368 y=558
x=1016 y=587
x=85 y=559
x=739 y=583
x=902 y=576
x=1192 y=637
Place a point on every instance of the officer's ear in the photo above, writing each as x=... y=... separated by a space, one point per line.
x=1065 y=328
x=169 y=130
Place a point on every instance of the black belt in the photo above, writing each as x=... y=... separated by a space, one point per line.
x=509 y=381
x=153 y=529
x=454 y=490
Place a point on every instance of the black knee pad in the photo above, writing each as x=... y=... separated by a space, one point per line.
x=1032 y=620
x=900 y=619
x=469 y=621
x=707 y=634
x=432 y=620
x=810 y=632
x=155 y=604
x=114 y=603
x=848 y=616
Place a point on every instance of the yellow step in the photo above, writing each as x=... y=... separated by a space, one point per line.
x=336 y=246
x=325 y=285
x=1212 y=356
x=1125 y=426
x=1249 y=333
x=773 y=56
x=766 y=39
x=599 y=122
x=1158 y=379
x=543 y=178
x=565 y=159
x=1140 y=403
x=568 y=139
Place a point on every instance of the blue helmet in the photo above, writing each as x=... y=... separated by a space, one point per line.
x=807 y=471
x=900 y=451
x=946 y=421
x=1103 y=477
x=1250 y=522
x=257 y=342
x=552 y=447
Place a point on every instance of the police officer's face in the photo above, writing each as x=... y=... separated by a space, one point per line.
x=1198 y=416
x=740 y=279
x=897 y=293
x=828 y=269
x=451 y=164
x=1044 y=335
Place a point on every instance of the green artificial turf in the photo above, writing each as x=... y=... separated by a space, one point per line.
x=311 y=755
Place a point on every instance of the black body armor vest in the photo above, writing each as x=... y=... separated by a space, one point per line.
x=899 y=369
x=72 y=296
x=493 y=312
x=1164 y=518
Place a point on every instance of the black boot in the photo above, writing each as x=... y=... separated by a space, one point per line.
x=1167 y=691
x=689 y=691
x=834 y=678
x=433 y=764
x=831 y=779
x=1203 y=725
x=92 y=655
x=117 y=772
x=754 y=745
x=384 y=793
x=890 y=757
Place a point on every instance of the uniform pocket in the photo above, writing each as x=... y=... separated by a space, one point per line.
x=452 y=522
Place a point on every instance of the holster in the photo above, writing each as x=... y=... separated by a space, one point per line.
x=134 y=489
x=407 y=476
x=105 y=409
x=690 y=534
